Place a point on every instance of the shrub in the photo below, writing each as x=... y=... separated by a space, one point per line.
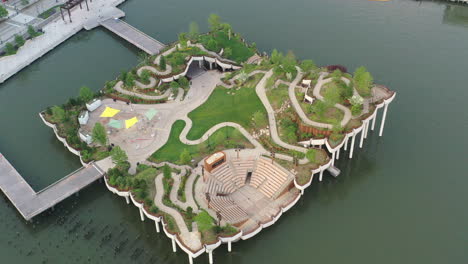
x=145 y=76
x=3 y=12
x=153 y=209
x=311 y=155
x=19 y=40
x=184 y=82
x=332 y=68
x=58 y=114
x=162 y=63
x=32 y=32
x=10 y=49
x=356 y=110
x=167 y=172
x=86 y=94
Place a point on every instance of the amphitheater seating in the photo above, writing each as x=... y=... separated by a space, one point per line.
x=242 y=167
x=230 y=212
x=268 y=178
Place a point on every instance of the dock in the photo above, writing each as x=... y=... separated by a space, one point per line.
x=133 y=35
x=30 y=203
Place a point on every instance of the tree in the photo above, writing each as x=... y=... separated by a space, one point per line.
x=227 y=28
x=118 y=155
x=3 y=12
x=308 y=65
x=185 y=156
x=19 y=40
x=289 y=62
x=58 y=113
x=193 y=30
x=276 y=57
x=99 y=134
x=363 y=81
x=85 y=94
x=184 y=82
x=311 y=154
x=227 y=52
x=162 y=63
x=32 y=32
x=214 y=21
x=212 y=45
x=183 y=39
x=260 y=119
x=10 y=49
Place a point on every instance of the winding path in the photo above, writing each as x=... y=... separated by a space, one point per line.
x=118 y=88
x=297 y=106
x=320 y=82
x=186 y=235
x=260 y=90
x=177 y=180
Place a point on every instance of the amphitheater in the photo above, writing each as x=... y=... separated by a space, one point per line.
x=245 y=191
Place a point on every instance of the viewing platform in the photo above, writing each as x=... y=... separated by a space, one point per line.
x=30 y=203
x=133 y=35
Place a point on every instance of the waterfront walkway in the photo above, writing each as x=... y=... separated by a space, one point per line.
x=30 y=203
x=133 y=35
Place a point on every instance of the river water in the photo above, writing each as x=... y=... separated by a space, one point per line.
x=402 y=199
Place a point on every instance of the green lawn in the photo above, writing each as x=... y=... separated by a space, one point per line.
x=173 y=147
x=240 y=52
x=223 y=107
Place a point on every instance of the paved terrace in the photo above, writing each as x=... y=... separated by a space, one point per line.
x=133 y=35
x=28 y=202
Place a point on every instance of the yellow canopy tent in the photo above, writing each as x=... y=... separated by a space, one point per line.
x=130 y=122
x=109 y=112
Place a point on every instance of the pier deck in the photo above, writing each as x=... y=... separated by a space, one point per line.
x=133 y=35
x=30 y=203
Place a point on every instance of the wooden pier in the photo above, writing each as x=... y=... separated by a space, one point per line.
x=133 y=35
x=30 y=203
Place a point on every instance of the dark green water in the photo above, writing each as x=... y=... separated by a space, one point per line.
x=402 y=199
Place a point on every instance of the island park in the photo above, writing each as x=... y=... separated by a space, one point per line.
x=213 y=140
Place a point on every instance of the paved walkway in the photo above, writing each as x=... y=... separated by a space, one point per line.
x=30 y=203
x=320 y=82
x=188 y=186
x=133 y=35
x=191 y=239
x=297 y=106
x=260 y=90
x=118 y=87
x=55 y=33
